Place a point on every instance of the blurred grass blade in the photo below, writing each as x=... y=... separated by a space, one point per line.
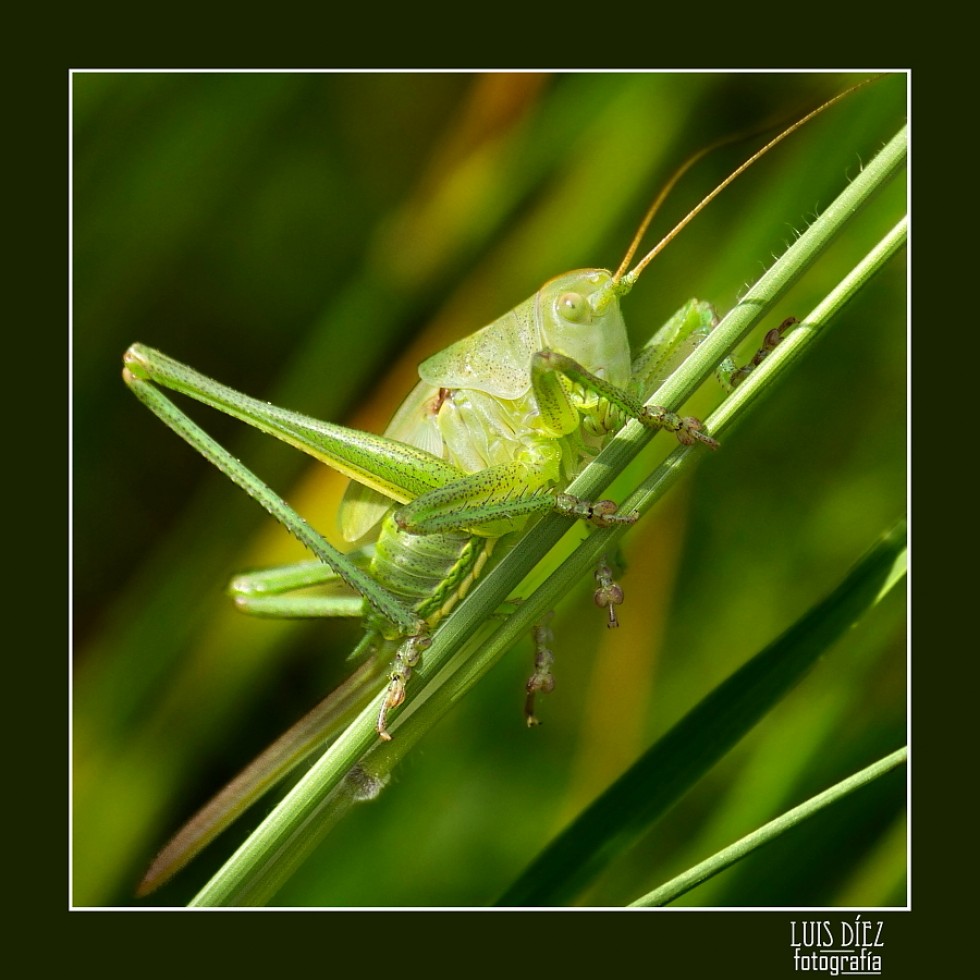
x=667 y=770
x=725 y=858
x=310 y=733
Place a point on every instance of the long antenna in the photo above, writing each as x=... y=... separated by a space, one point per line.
x=628 y=278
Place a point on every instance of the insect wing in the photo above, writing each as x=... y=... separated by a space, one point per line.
x=495 y=359
x=362 y=508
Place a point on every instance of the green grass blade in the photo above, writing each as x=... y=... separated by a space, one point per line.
x=725 y=858
x=669 y=768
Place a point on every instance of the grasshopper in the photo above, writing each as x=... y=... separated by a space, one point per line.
x=498 y=425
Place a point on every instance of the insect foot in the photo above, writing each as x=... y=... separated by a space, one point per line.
x=686 y=428
x=601 y=513
x=542 y=680
x=731 y=377
x=408 y=656
x=608 y=593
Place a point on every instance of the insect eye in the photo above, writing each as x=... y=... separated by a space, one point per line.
x=573 y=307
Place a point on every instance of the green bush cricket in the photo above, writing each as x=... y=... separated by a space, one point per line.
x=450 y=504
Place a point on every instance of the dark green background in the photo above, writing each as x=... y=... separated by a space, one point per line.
x=308 y=238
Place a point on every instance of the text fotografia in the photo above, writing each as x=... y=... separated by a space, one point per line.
x=845 y=948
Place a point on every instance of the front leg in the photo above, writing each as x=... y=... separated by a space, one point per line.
x=549 y=367
x=730 y=377
x=495 y=501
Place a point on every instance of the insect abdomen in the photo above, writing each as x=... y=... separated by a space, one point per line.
x=431 y=572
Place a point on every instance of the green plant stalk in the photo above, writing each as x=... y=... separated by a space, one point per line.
x=726 y=857
x=280 y=844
